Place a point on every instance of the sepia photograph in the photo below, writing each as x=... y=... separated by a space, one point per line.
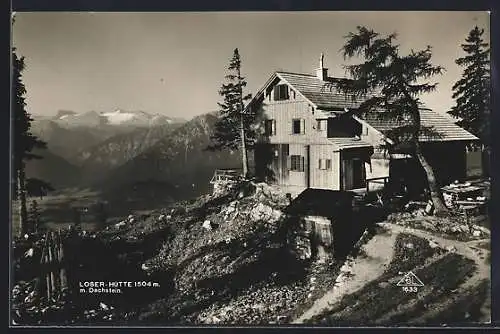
x=277 y=169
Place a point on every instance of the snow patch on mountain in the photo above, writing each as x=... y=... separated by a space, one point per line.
x=117 y=117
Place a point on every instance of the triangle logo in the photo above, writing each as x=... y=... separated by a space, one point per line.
x=410 y=279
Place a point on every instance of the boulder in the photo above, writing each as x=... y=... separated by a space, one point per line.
x=103 y=306
x=451 y=249
x=29 y=253
x=120 y=224
x=207 y=225
x=409 y=245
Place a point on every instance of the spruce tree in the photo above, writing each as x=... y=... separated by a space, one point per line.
x=472 y=91
x=391 y=82
x=34 y=217
x=233 y=129
x=23 y=140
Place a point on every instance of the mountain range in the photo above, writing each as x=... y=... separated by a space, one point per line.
x=118 y=117
x=122 y=155
x=180 y=158
x=68 y=133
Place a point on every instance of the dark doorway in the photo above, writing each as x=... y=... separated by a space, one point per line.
x=358 y=174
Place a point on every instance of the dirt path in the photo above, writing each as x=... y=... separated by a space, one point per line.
x=468 y=249
x=379 y=252
x=462 y=248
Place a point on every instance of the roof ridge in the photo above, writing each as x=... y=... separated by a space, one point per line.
x=309 y=75
x=296 y=73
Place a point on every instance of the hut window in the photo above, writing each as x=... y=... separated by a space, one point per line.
x=270 y=127
x=281 y=93
x=296 y=163
x=325 y=164
x=298 y=126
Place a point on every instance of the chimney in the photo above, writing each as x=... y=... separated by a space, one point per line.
x=321 y=72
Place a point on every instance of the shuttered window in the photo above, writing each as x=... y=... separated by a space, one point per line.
x=298 y=126
x=321 y=124
x=324 y=164
x=281 y=93
x=270 y=127
x=296 y=163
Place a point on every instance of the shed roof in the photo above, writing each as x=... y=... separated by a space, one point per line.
x=320 y=202
x=343 y=143
x=442 y=127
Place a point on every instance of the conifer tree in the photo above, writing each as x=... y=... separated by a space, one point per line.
x=34 y=216
x=23 y=140
x=233 y=129
x=472 y=91
x=391 y=82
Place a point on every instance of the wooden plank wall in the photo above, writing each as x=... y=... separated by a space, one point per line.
x=319 y=147
x=284 y=112
x=297 y=178
x=322 y=179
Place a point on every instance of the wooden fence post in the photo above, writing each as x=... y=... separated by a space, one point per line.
x=62 y=272
x=46 y=266
x=51 y=265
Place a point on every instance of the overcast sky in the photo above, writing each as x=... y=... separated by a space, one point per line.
x=174 y=63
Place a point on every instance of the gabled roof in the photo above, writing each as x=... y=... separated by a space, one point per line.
x=320 y=96
x=442 y=127
x=318 y=91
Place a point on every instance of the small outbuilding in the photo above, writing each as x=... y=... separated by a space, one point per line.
x=325 y=220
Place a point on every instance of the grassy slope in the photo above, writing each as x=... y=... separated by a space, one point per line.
x=381 y=302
